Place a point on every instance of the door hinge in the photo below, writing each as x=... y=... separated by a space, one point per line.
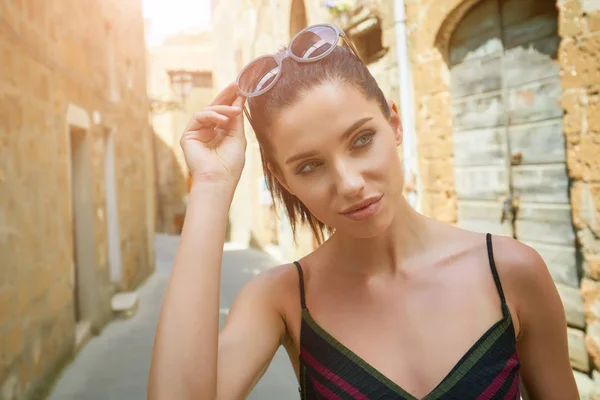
x=510 y=208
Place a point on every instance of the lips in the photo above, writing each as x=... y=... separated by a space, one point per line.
x=365 y=203
x=364 y=209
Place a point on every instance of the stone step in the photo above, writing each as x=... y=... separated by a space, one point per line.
x=125 y=304
x=83 y=332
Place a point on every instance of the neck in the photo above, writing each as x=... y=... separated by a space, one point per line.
x=408 y=235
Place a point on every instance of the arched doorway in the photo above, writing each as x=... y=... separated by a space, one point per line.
x=297 y=17
x=511 y=175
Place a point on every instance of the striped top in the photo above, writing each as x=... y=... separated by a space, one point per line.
x=488 y=370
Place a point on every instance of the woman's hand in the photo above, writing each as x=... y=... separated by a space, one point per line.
x=213 y=143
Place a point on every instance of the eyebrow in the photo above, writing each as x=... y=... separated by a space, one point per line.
x=347 y=133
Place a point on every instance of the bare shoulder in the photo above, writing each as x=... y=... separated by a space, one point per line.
x=276 y=289
x=520 y=265
x=526 y=280
x=266 y=299
x=273 y=284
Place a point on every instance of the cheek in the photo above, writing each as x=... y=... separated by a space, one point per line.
x=387 y=156
x=312 y=193
x=315 y=194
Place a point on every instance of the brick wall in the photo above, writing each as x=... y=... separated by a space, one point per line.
x=80 y=64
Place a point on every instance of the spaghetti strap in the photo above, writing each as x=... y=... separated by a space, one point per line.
x=301 y=277
x=495 y=273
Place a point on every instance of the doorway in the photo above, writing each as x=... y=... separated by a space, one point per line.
x=112 y=216
x=82 y=214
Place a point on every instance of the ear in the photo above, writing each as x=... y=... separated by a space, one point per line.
x=396 y=122
x=279 y=176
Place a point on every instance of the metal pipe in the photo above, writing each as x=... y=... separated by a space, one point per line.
x=405 y=88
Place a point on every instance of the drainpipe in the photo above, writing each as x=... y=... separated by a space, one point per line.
x=405 y=84
x=275 y=13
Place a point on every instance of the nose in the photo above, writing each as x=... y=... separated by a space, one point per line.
x=349 y=179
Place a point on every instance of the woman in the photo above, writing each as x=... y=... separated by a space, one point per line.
x=401 y=305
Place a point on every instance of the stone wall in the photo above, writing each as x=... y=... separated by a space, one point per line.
x=432 y=108
x=579 y=55
x=72 y=74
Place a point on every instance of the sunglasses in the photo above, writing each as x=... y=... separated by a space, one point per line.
x=309 y=45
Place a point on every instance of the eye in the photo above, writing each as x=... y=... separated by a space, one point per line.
x=307 y=167
x=364 y=140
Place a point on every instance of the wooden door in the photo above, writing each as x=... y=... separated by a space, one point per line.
x=509 y=151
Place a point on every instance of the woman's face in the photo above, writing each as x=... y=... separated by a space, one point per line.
x=337 y=153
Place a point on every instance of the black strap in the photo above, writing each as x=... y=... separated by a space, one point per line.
x=301 y=276
x=495 y=273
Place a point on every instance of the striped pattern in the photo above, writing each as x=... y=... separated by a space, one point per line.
x=329 y=370
x=489 y=370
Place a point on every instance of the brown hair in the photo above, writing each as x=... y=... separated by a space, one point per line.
x=340 y=66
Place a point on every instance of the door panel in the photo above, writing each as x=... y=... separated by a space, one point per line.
x=549 y=223
x=483 y=216
x=482 y=21
x=481 y=183
x=479 y=120
x=477 y=112
x=518 y=11
x=477 y=76
x=532 y=62
x=475 y=48
x=539 y=143
x=508 y=134
x=530 y=30
x=560 y=261
x=545 y=183
x=538 y=101
x=478 y=35
x=480 y=147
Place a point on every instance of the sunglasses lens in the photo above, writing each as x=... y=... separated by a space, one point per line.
x=313 y=42
x=258 y=75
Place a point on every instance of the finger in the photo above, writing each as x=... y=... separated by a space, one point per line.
x=227 y=111
x=230 y=111
x=239 y=102
x=235 y=126
x=206 y=119
x=239 y=122
x=226 y=96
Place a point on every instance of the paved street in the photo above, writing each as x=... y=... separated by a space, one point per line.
x=115 y=364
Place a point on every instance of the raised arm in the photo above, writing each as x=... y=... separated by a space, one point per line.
x=189 y=361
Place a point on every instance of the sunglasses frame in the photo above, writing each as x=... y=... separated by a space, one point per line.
x=288 y=53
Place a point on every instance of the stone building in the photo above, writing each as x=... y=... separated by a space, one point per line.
x=76 y=178
x=504 y=95
x=180 y=83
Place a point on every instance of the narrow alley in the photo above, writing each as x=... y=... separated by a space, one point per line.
x=115 y=364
